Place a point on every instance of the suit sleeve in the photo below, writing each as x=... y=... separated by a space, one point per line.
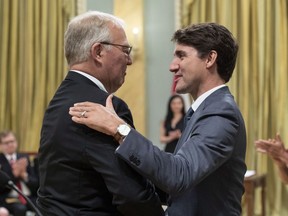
x=210 y=144
x=132 y=194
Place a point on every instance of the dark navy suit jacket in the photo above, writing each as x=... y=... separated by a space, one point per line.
x=204 y=176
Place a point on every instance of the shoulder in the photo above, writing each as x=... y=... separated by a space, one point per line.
x=2 y=157
x=220 y=104
x=122 y=110
x=221 y=98
x=118 y=102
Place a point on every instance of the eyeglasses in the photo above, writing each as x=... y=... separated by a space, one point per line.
x=8 y=142
x=126 y=49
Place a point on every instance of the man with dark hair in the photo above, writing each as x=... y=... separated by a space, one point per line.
x=205 y=174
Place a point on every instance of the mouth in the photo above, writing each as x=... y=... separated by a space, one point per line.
x=177 y=78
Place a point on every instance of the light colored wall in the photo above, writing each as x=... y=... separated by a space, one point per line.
x=101 y=5
x=157 y=29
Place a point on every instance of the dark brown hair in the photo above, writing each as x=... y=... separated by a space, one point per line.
x=205 y=37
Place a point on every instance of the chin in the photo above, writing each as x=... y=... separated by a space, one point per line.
x=180 y=91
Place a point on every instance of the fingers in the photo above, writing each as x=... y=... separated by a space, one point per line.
x=278 y=138
x=77 y=113
x=81 y=110
x=262 y=145
x=79 y=116
x=261 y=150
x=79 y=120
x=109 y=103
x=261 y=142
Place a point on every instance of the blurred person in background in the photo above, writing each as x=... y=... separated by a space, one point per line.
x=172 y=127
x=18 y=168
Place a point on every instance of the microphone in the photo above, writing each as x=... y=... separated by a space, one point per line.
x=6 y=181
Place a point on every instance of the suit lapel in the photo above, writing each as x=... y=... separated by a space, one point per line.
x=188 y=129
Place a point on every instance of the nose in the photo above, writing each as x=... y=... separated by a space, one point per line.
x=174 y=66
x=129 y=61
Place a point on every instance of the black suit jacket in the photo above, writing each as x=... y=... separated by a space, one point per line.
x=79 y=172
x=205 y=175
x=32 y=182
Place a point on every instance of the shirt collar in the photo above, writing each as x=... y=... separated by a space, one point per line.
x=11 y=157
x=202 y=97
x=93 y=79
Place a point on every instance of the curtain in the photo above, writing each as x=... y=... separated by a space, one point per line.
x=259 y=82
x=32 y=63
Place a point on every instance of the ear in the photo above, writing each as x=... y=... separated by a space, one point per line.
x=96 y=50
x=211 y=59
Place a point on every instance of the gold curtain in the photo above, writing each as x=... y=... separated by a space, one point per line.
x=32 y=63
x=259 y=82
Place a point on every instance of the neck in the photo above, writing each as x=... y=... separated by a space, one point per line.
x=210 y=84
x=86 y=68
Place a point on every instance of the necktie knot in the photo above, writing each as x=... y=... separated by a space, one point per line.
x=188 y=116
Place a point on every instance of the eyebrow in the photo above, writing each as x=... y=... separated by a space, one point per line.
x=179 y=53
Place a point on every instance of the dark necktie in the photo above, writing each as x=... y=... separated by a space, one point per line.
x=188 y=116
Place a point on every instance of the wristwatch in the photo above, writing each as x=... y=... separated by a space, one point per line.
x=122 y=131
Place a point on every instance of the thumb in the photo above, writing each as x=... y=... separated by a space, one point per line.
x=109 y=103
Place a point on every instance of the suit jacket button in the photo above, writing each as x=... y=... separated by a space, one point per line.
x=131 y=158
x=137 y=162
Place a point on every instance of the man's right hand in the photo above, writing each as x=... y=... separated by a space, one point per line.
x=97 y=117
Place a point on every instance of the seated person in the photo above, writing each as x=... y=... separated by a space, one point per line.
x=18 y=168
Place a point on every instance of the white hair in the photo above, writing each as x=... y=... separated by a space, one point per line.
x=85 y=30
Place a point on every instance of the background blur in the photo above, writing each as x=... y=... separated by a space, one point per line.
x=32 y=65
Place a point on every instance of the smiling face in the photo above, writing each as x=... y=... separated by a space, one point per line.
x=190 y=70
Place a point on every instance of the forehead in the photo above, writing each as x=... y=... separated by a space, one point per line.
x=117 y=33
x=183 y=47
x=176 y=99
x=8 y=137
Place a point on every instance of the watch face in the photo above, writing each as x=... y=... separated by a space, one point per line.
x=124 y=129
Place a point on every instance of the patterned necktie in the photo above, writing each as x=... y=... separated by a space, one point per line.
x=188 y=116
